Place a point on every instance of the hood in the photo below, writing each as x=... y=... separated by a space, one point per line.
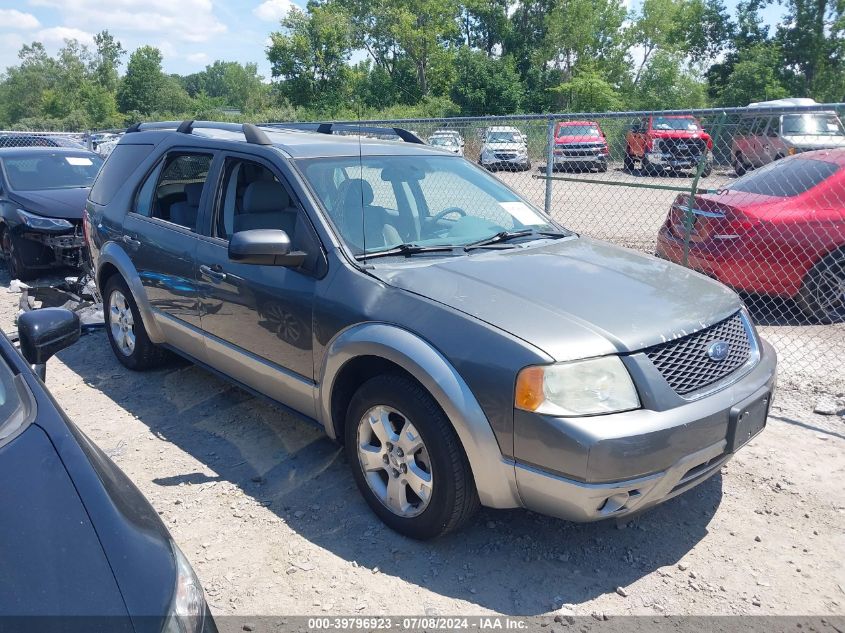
x=572 y=298
x=567 y=140
x=679 y=134
x=815 y=141
x=53 y=203
x=504 y=147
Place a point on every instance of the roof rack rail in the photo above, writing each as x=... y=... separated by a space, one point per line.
x=331 y=128
x=252 y=133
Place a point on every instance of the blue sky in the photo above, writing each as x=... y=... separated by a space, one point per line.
x=190 y=33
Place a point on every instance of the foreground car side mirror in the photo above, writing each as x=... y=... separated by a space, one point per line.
x=264 y=247
x=44 y=332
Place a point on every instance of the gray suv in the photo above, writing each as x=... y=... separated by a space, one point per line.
x=464 y=347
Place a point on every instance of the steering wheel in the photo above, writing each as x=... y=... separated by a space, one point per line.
x=445 y=212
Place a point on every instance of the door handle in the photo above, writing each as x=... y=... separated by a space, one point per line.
x=214 y=272
x=130 y=241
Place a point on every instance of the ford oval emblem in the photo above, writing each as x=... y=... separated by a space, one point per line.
x=718 y=350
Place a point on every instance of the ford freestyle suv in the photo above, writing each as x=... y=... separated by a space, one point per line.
x=668 y=142
x=464 y=347
x=580 y=144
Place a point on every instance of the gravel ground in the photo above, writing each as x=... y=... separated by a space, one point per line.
x=265 y=508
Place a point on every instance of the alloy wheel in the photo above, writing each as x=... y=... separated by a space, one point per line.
x=829 y=290
x=395 y=461
x=122 y=323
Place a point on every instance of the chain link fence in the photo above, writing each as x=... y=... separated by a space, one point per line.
x=753 y=197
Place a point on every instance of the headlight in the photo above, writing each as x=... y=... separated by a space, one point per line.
x=187 y=609
x=41 y=223
x=585 y=387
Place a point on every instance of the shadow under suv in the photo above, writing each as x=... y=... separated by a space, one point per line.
x=464 y=347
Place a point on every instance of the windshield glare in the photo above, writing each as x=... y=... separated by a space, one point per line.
x=812 y=124
x=579 y=130
x=51 y=171
x=674 y=123
x=503 y=137
x=379 y=202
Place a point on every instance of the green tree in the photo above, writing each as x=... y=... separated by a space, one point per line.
x=140 y=88
x=107 y=60
x=483 y=24
x=310 y=57
x=486 y=85
x=587 y=91
x=753 y=77
x=667 y=83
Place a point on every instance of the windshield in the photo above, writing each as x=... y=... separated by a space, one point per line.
x=379 y=202
x=35 y=172
x=442 y=140
x=503 y=137
x=579 y=130
x=812 y=124
x=685 y=124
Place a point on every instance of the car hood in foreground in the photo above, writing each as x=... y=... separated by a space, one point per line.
x=572 y=298
x=53 y=203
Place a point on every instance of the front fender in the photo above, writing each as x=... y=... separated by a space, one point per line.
x=112 y=253
x=493 y=474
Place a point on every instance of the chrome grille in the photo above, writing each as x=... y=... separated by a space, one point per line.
x=685 y=364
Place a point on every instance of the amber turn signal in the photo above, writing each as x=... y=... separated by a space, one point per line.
x=529 y=389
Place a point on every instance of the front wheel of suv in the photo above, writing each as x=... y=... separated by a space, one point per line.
x=125 y=329
x=407 y=460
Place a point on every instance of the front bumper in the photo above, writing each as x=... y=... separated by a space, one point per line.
x=664 y=452
x=498 y=161
x=45 y=250
x=671 y=161
x=565 y=159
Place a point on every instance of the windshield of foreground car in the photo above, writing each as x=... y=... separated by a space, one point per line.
x=812 y=124
x=37 y=172
x=683 y=124
x=379 y=202
x=578 y=130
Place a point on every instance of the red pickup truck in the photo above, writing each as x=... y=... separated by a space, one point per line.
x=580 y=144
x=668 y=142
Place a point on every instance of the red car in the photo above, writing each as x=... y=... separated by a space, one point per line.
x=777 y=231
x=580 y=144
x=668 y=142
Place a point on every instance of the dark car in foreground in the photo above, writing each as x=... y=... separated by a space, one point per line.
x=778 y=231
x=42 y=196
x=82 y=549
x=462 y=345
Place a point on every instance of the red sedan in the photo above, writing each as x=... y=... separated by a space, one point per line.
x=777 y=231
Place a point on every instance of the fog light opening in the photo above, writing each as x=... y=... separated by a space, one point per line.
x=615 y=503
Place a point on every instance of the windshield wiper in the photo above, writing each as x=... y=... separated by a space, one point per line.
x=504 y=236
x=405 y=250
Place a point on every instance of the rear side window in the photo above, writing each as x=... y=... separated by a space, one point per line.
x=116 y=171
x=172 y=192
x=786 y=178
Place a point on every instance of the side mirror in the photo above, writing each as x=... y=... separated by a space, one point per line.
x=44 y=332
x=264 y=247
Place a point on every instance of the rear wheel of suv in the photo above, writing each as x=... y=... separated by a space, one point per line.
x=407 y=460
x=739 y=165
x=822 y=297
x=127 y=334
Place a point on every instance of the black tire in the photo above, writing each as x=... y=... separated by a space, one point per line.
x=602 y=167
x=647 y=168
x=14 y=262
x=629 y=163
x=708 y=169
x=739 y=165
x=454 y=498
x=817 y=298
x=145 y=354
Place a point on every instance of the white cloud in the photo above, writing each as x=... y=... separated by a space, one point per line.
x=273 y=10
x=18 y=20
x=185 y=20
x=58 y=34
x=197 y=58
